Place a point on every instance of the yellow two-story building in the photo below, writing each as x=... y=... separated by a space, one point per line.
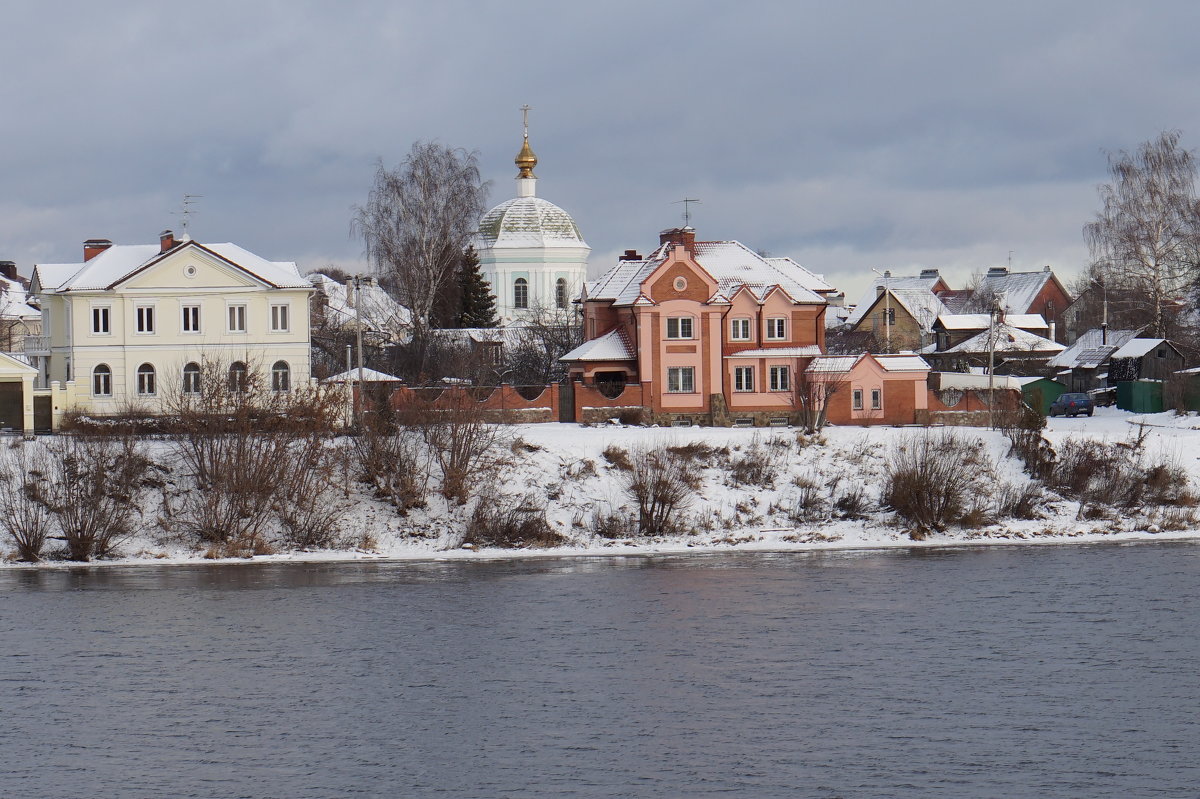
x=134 y=325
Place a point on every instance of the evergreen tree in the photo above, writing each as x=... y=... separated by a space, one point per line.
x=477 y=306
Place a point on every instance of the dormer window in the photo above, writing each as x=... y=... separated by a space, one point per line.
x=739 y=329
x=776 y=328
x=679 y=327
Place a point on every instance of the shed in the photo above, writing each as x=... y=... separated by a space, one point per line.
x=1140 y=396
x=1040 y=392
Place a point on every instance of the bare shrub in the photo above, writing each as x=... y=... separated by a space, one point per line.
x=396 y=462
x=853 y=504
x=93 y=490
x=307 y=504
x=695 y=451
x=28 y=522
x=613 y=524
x=926 y=484
x=1018 y=500
x=632 y=416
x=1023 y=427
x=617 y=457
x=465 y=446
x=661 y=485
x=758 y=464
x=520 y=527
x=808 y=504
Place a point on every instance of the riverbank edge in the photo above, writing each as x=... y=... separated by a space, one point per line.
x=672 y=549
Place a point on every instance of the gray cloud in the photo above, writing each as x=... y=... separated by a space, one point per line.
x=848 y=135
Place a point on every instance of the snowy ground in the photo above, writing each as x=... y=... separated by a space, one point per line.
x=564 y=467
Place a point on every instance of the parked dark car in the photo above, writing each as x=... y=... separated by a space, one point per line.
x=1071 y=405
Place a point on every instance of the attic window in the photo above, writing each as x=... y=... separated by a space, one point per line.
x=1162 y=352
x=189 y=271
x=680 y=283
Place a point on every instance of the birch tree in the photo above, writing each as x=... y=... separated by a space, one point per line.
x=418 y=220
x=1145 y=239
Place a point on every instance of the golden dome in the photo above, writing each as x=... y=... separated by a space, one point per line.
x=526 y=160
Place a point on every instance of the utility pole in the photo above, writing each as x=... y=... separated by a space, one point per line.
x=358 y=336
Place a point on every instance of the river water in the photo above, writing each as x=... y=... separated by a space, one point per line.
x=1050 y=671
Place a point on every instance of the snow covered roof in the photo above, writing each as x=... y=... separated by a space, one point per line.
x=14 y=302
x=612 y=346
x=119 y=262
x=810 y=281
x=981 y=321
x=1019 y=289
x=731 y=263
x=833 y=364
x=528 y=222
x=1008 y=339
x=904 y=362
x=368 y=376
x=1137 y=347
x=972 y=381
x=379 y=311
x=922 y=283
x=806 y=351
x=1087 y=352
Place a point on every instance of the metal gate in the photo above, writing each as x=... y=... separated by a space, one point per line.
x=566 y=401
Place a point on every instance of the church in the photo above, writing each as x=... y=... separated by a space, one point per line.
x=531 y=251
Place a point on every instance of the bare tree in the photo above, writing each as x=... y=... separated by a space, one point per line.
x=418 y=219
x=812 y=394
x=544 y=337
x=1145 y=239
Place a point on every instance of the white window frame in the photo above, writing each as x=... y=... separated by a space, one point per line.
x=192 y=378
x=105 y=377
x=776 y=328
x=877 y=399
x=739 y=329
x=143 y=320
x=781 y=378
x=280 y=312
x=856 y=399
x=521 y=287
x=185 y=311
x=146 y=382
x=560 y=293
x=681 y=328
x=230 y=314
x=101 y=313
x=743 y=378
x=281 y=377
x=681 y=380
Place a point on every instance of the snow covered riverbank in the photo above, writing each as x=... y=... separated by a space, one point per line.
x=755 y=490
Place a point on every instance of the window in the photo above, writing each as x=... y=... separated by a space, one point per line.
x=1162 y=352
x=145 y=318
x=679 y=327
x=739 y=329
x=776 y=328
x=521 y=293
x=681 y=379
x=781 y=378
x=100 y=320
x=560 y=292
x=102 y=381
x=191 y=378
x=191 y=319
x=145 y=380
x=889 y=317
x=237 y=377
x=856 y=399
x=279 y=318
x=237 y=318
x=876 y=399
x=281 y=375
x=743 y=378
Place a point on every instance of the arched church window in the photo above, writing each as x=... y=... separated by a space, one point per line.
x=521 y=293
x=560 y=292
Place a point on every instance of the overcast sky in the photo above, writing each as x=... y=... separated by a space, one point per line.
x=848 y=135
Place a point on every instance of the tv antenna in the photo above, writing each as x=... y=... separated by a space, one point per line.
x=186 y=214
x=687 y=209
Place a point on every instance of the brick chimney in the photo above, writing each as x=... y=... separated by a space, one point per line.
x=684 y=236
x=630 y=255
x=9 y=270
x=93 y=247
x=166 y=240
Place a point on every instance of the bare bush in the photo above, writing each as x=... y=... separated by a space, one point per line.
x=758 y=464
x=27 y=521
x=1018 y=500
x=808 y=504
x=661 y=485
x=617 y=457
x=852 y=504
x=465 y=446
x=396 y=462
x=613 y=524
x=93 y=487
x=926 y=483
x=522 y=526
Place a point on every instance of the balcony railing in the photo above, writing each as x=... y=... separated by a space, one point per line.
x=37 y=345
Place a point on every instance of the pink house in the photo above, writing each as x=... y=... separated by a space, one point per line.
x=871 y=389
x=701 y=331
